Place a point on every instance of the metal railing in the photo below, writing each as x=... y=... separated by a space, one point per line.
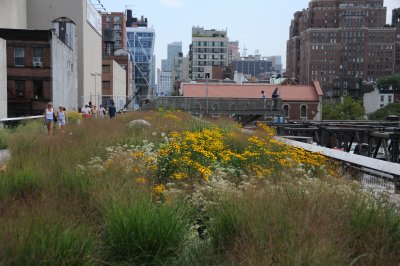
x=227 y=106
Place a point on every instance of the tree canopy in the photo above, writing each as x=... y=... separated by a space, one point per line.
x=387 y=81
x=381 y=114
x=348 y=109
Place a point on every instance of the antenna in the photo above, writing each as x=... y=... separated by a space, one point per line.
x=244 y=51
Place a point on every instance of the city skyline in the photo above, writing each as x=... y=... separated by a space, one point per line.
x=173 y=20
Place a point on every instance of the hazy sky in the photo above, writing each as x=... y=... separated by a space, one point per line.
x=257 y=24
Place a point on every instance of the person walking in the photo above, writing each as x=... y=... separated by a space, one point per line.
x=112 y=110
x=62 y=118
x=49 y=116
x=102 y=112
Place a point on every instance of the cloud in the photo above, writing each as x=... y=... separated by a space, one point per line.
x=172 y=3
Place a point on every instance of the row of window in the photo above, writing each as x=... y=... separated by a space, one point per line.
x=37 y=86
x=211 y=44
x=37 y=57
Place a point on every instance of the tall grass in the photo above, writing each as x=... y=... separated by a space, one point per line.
x=286 y=220
x=144 y=233
x=42 y=243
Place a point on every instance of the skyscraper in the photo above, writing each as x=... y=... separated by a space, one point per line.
x=341 y=44
x=173 y=51
x=140 y=43
x=396 y=23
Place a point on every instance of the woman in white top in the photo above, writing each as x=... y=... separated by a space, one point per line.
x=49 y=118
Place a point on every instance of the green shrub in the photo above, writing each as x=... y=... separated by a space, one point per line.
x=48 y=244
x=143 y=232
x=4 y=136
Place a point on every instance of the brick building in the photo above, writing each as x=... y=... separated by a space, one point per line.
x=41 y=67
x=299 y=102
x=114 y=32
x=396 y=23
x=341 y=44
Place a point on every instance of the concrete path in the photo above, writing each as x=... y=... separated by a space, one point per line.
x=4 y=156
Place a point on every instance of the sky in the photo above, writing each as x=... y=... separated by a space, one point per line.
x=261 y=25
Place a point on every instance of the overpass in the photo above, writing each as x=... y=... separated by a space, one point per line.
x=244 y=109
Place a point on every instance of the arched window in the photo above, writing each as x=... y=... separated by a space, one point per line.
x=286 y=110
x=303 y=111
x=215 y=107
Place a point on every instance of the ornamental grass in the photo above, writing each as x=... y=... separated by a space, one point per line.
x=183 y=191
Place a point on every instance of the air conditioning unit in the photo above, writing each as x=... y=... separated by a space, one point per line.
x=37 y=61
x=37 y=64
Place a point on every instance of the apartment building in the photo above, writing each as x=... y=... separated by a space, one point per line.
x=87 y=19
x=341 y=44
x=208 y=48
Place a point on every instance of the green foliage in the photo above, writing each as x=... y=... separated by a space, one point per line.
x=23 y=183
x=4 y=137
x=141 y=232
x=348 y=109
x=386 y=82
x=381 y=114
x=49 y=244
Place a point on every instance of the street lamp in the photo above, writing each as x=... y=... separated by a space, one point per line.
x=95 y=74
x=207 y=75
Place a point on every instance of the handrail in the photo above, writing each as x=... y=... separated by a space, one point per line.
x=20 y=118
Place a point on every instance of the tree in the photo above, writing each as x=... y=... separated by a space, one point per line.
x=381 y=114
x=348 y=109
x=388 y=81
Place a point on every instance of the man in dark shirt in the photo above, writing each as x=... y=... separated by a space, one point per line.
x=112 y=110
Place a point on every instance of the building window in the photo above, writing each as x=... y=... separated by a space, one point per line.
x=106 y=84
x=19 y=88
x=19 y=56
x=286 y=110
x=38 y=89
x=105 y=68
x=389 y=98
x=382 y=98
x=37 y=57
x=303 y=111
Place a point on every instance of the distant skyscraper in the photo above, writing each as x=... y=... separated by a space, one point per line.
x=234 y=50
x=140 y=43
x=173 y=51
x=209 y=48
x=341 y=44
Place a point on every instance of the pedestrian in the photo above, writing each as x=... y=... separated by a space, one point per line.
x=94 y=111
x=264 y=97
x=49 y=116
x=102 y=112
x=62 y=118
x=112 y=110
x=275 y=96
x=86 y=111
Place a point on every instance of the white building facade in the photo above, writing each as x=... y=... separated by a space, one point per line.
x=164 y=83
x=3 y=79
x=377 y=99
x=209 y=48
x=13 y=14
x=40 y=14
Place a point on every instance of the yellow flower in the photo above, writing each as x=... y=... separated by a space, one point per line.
x=141 y=180
x=159 y=189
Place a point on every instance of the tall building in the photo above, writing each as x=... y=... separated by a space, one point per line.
x=341 y=44
x=40 y=15
x=252 y=66
x=164 y=83
x=209 y=48
x=396 y=23
x=233 y=50
x=173 y=51
x=114 y=32
x=140 y=44
x=13 y=14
